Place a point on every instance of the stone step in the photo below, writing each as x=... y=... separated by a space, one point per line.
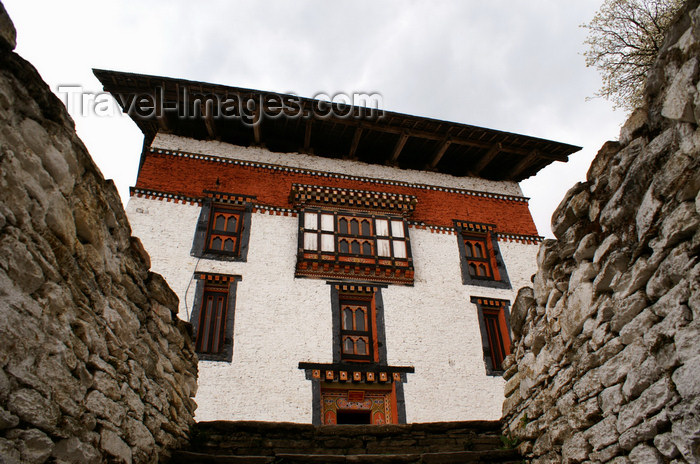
x=457 y=457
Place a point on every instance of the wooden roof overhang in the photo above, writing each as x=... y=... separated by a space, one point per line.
x=348 y=132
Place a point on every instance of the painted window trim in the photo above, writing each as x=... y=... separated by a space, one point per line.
x=226 y=353
x=503 y=281
x=504 y=326
x=201 y=235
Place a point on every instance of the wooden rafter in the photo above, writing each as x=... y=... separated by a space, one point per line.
x=521 y=165
x=439 y=153
x=399 y=146
x=307 y=136
x=487 y=158
x=355 y=142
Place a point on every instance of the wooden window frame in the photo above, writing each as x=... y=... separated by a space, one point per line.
x=213 y=233
x=369 y=334
x=213 y=326
x=495 y=332
x=360 y=237
x=496 y=275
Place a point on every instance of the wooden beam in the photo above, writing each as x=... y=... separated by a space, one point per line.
x=439 y=153
x=521 y=166
x=257 y=122
x=307 y=136
x=399 y=146
x=355 y=143
x=487 y=158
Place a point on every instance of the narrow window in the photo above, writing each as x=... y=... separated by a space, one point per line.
x=355 y=333
x=495 y=334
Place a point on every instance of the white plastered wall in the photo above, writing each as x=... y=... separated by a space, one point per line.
x=281 y=321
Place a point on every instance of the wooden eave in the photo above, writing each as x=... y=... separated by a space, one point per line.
x=384 y=137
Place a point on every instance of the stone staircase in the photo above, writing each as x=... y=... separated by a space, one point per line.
x=287 y=443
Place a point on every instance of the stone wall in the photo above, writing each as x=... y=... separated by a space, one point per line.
x=94 y=364
x=606 y=364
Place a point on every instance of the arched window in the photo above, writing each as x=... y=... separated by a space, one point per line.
x=231 y=224
x=348 y=319
x=469 y=249
x=343 y=226
x=220 y=222
x=216 y=243
x=366 y=230
x=361 y=346
x=354 y=227
x=355 y=247
x=228 y=245
x=482 y=270
x=348 y=346
x=478 y=252
x=366 y=248
x=343 y=246
x=360 y=319
x=472 y=269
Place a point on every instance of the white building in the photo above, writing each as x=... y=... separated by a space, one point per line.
x=336 y=268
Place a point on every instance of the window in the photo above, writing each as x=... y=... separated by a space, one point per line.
x=355 y=331
x=223 y=234
x=213 y=316
x=480 y=257
x=495 y=335
x=342 y=243
x=222 y=230
x=354 y=235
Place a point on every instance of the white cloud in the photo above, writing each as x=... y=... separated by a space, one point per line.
x=514 y=66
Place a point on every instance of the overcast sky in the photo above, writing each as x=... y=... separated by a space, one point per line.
x=509 y=65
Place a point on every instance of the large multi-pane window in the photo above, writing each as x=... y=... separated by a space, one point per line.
x=348 y=234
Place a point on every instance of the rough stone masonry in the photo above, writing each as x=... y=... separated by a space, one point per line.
x=606 y=363
x=94 y=364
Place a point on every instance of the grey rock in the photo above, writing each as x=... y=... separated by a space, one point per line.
x=35 y=446
x=647 y=212
x=115 y=446
x=637 y=326
x=521 y=306
x=104 y=407
x=664 y=444
x=643 y=432
x=586 y=248
x=8 y=34
x=651 y=401
x=686 y=341
x=610 y=243
x=635 y=123
x=606 y=454
x=685 y=379
x=678 y=104
x=627 y=309
x=611 y=399
x=580 y=307
x=31 y=407
x=616 y=368
x=575 y=449
x=645 y=454
x=670 y=272
x=8 y=452
x=565 y=214
x=603 y=434
x=639 y=378
x=7 y=419
x=74 y=450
